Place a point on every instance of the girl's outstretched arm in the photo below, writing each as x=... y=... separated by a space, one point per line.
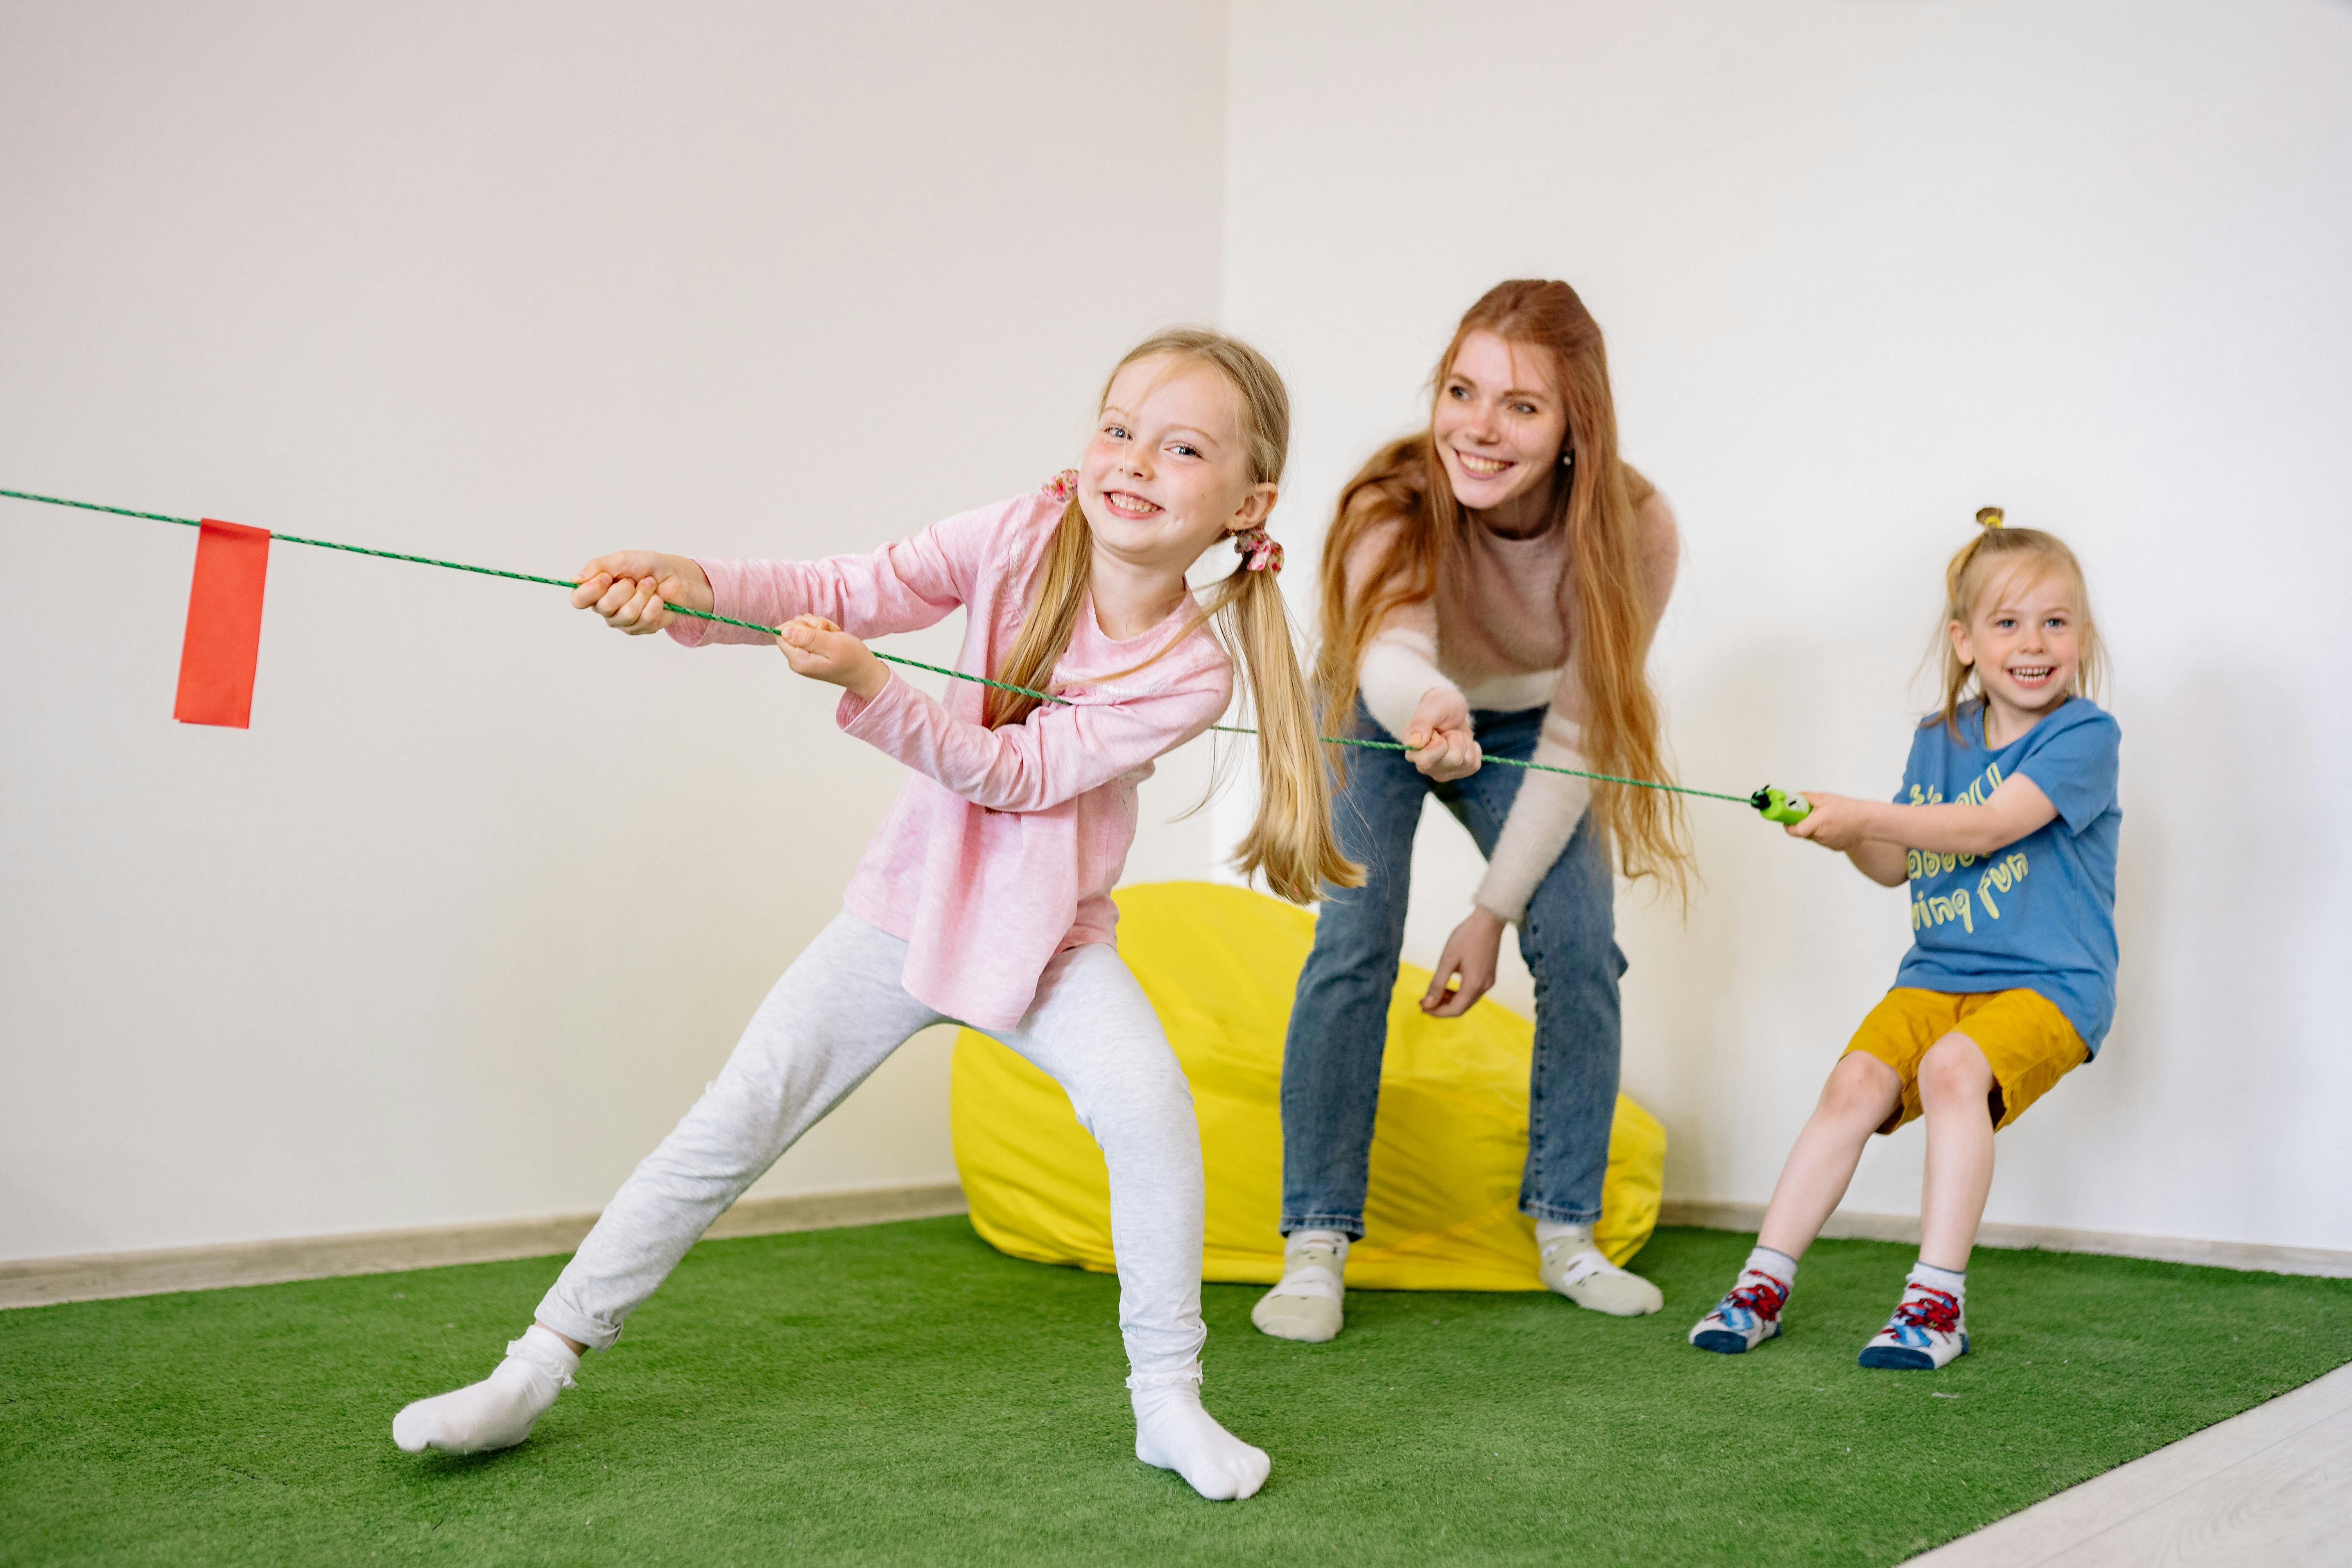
x=901 y=587
x=1956 y=827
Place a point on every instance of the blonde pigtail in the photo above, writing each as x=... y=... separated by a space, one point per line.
x=1291 y=843
x=1062 y=583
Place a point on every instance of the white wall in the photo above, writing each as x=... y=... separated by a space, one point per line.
x=466 y=919
x=1864 y=267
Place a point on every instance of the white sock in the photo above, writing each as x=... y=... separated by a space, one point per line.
x=1954 y=1282
x=1174 y=1433
x=497 y=1412
x=1568 y=1262
x=1550 y=1230
x=1307 y=1303
x=1779 y=1265
x=1298 y=1240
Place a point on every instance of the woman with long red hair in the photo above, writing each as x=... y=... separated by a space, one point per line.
x=1490 y=586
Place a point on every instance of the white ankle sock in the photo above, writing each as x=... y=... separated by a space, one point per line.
x=1174 y=1433
x=497 y=1412
x=1955 y=1281
x=1550 y=1230
x=1299 y=1241
x=1779 y=1265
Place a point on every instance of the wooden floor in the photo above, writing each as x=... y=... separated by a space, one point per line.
x=2271 y=1489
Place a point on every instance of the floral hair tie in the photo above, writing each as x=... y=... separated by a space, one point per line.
x=1062 y=486
x=1259 y=551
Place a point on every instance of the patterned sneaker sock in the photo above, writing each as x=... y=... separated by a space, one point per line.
x=497 y=1412
x=1307 y=1304
x=1927 y=1329
x=1174 y=1433
x=1568 y=1264
x=1750 y=1313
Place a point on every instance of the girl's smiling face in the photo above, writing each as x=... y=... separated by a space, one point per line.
x=1500 y=423
x=2023 y=641
x=1166 y=473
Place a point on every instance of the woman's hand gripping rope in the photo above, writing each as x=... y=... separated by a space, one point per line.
x=1438 y=740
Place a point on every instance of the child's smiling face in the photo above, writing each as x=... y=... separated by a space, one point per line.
x=2023 y=642
x=1166 y=471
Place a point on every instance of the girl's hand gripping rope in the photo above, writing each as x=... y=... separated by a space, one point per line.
x=633 y=590
x=818 y=649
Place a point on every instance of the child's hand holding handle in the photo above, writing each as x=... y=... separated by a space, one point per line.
x=1842 y=823
x=634 y=589
x=1836 y=821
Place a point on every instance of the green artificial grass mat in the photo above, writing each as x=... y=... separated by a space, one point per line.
x=901 y=1393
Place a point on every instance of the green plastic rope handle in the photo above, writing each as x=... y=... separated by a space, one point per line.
x=1766 y=800
x=1781 y=805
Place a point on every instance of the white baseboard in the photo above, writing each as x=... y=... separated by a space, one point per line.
x=2247 y=1255
x=38 y=1282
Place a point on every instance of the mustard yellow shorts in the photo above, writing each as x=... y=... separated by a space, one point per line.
x=2022 y=1034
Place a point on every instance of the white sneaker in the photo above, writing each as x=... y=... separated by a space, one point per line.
x=1578 y=1272
x=1925 y=1332
x=1305 y=1305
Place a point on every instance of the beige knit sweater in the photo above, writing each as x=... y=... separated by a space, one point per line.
x=1500 y=635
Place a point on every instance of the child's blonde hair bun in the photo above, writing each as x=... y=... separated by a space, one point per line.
x=1988 y=517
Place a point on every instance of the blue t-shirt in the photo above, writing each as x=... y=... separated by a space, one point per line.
x=2039 y=914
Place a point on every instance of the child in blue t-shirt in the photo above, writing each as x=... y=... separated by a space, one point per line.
x=2005 y=829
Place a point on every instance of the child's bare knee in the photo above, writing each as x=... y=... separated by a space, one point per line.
x=1861 y=1088
x=1954 y=1068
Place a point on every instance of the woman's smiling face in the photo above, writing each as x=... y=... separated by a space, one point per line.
x=1500 y=422
x=1166 y=473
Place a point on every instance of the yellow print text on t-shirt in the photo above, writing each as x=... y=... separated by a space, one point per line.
x=1999 y=877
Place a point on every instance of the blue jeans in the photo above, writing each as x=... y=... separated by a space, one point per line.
x=1339 y=1022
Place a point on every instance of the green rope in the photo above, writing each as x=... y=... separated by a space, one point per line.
x=894 y=658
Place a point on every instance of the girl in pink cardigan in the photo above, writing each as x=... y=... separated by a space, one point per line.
x=985 y=899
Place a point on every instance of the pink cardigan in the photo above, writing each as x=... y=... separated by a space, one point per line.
x=1003 y=848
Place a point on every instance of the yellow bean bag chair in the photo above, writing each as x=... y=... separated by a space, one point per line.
x=1220 y=965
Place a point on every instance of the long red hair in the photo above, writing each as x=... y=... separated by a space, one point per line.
x=1604 y=594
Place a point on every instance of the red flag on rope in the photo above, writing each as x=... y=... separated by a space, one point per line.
x=224 y=640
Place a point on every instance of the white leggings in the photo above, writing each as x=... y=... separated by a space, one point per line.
x=838 y=1012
